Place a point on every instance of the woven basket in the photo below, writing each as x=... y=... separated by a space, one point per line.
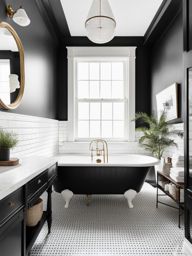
x=34 y=214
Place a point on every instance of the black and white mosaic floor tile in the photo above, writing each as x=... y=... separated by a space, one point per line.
x=109 y=228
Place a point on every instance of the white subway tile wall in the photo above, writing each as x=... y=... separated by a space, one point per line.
x=46 y=137
x=36 y=135
x=65 y=146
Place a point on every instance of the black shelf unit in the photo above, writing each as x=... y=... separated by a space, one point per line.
x=33 y=232
x=179 y=205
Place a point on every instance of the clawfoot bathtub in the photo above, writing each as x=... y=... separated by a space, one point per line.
x=122 y=175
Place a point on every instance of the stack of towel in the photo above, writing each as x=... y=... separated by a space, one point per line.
x=177 y=170
x=177 y=174
x=178 y=161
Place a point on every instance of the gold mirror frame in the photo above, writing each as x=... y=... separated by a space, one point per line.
x=17 y=102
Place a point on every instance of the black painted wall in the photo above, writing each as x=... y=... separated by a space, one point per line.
x=167 y=59
x=40 y=62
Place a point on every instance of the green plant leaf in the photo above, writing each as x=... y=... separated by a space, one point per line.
x=156 y=133
x=7 y=139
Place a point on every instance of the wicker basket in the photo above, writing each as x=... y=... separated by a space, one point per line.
x=34 y=214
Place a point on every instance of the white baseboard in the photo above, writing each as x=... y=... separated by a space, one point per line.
x=187 y=248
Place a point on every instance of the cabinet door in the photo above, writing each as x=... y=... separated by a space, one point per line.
x=11 y=236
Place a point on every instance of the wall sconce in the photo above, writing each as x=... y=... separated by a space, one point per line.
x=19 y=16
x=13 y=82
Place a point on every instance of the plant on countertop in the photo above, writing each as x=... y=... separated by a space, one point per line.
x=156 y=133
x=7 y=140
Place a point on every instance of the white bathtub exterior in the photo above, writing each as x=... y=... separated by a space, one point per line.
x=126 y=160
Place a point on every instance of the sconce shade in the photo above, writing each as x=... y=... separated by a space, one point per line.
x=21 y=18
x=13 y=82
x=100 y=24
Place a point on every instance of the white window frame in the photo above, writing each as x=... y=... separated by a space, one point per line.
x=126 y=54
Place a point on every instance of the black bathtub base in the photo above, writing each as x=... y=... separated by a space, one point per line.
x=90 y=180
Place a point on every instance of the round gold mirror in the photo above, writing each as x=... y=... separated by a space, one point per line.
x=12 y=74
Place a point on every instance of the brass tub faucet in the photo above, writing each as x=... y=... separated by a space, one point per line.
x=99 y=149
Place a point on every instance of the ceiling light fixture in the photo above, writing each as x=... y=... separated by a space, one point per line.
x=19 y=16
x=100 y=24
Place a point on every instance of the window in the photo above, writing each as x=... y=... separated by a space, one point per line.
x=101 y=93
x=100 y=99
x=4 y=80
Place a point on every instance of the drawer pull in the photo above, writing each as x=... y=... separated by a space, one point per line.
x=11 y=204
x=39 y=181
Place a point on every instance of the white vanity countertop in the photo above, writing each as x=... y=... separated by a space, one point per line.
x=14 y=177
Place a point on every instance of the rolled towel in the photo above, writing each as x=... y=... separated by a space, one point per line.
x=177 y=178
x=177 y=171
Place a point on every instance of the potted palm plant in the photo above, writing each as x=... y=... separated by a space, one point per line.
x=7 y=141
x=157 y=135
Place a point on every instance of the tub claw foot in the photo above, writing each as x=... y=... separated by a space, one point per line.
x=130 y=195
x=67 y=195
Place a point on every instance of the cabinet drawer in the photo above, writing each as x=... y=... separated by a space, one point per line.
x=11 y=204
x=36 y=184
x=52 y=171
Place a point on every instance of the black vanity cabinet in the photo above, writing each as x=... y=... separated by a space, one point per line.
x=12 y=224
x=34 y=189
x=16 y=239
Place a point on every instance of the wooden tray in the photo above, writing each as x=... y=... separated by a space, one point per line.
x=11 y=162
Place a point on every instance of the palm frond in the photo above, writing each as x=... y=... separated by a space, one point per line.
x=157 y=134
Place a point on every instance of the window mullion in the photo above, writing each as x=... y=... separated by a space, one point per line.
x=101 y=119
x=89 y=98
x=100 y=99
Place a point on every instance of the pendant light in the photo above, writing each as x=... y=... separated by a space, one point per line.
x=100 y=24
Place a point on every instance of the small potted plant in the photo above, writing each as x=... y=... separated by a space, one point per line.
x=157 y=135
x=7 y=141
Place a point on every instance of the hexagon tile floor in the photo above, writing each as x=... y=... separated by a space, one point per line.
x=108 y=227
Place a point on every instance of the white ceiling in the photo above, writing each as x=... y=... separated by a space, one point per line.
x=133 y=17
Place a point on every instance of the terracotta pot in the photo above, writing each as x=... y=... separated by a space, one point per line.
x=4 y=154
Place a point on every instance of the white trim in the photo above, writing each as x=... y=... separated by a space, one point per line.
x=101 y=51
x=129 y=53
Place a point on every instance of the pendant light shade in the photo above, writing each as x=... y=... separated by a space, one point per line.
x=100 y=24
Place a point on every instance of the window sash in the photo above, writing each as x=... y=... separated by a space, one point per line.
x=101 y=100
x=125 y=119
